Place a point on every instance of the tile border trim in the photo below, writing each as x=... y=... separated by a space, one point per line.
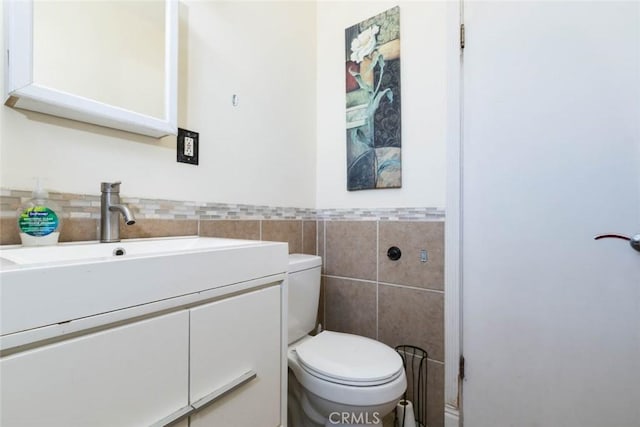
x=88 y=206
x=382 y=214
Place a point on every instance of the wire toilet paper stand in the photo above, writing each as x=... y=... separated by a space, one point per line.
x=414 y=360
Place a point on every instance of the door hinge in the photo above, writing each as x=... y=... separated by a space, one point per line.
x=461 y=36
x=461 y=368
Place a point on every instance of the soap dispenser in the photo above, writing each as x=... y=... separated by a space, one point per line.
x=39 y=219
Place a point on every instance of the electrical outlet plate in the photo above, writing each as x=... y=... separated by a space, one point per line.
x=188 y=146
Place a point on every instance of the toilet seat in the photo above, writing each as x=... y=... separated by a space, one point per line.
x=335 y=390
x=349 y=360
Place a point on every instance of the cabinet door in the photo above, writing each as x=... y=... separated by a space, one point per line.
x=132 y=375
x=228 y=339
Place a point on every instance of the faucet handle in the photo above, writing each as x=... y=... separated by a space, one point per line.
x=109 y=187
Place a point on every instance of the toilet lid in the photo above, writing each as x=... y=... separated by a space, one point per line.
x=349 y=359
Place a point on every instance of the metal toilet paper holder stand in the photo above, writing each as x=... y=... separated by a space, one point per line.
x=414 y=360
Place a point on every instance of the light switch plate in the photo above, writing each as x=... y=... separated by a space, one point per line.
x=188 y=146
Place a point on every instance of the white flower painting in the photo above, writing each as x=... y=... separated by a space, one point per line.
x=364 y=44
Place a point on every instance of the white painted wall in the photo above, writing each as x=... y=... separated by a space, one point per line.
x=277 y=56
x=424 y=87
x=261 y=152
x=551 y=317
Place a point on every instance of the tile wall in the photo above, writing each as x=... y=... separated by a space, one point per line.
x=363 y=291
x=396 y=302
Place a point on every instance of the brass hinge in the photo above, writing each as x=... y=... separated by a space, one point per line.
x=461 y=368
x=461 y=36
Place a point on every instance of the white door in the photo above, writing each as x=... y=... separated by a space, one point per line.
x=551 y=158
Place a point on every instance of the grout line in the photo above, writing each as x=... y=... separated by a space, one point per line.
x=324 y=254
x=395 y=285
x=330 y=276
x=429 y=359
x=375 y=282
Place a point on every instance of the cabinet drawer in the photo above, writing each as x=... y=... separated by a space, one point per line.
x=131 y=375
x=228 y=339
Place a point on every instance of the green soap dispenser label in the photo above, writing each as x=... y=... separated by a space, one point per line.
x=38 y=221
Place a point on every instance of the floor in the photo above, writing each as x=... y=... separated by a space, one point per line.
x=388 y=420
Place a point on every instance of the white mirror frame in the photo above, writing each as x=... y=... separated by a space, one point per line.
x=22 y=92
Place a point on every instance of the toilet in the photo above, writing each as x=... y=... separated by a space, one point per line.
x=335 y=379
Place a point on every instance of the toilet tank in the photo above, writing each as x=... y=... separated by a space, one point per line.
x=304 y=294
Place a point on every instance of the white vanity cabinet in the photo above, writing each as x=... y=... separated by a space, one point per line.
x=235 y=344
x=194 y=337
x=130 y=375
x=218 y=363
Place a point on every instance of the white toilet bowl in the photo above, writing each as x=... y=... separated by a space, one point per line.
x=340 y=379
x=335 y=379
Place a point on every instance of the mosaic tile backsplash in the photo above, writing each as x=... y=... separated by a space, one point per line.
x=88 y=206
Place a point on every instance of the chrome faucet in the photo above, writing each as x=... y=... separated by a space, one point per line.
x=110 y=210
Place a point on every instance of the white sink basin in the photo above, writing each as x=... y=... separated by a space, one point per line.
x=60 y=288
x=83 y=251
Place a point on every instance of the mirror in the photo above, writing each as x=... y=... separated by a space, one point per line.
x=111 y=63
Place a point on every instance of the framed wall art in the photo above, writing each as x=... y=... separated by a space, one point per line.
x=373 y=124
